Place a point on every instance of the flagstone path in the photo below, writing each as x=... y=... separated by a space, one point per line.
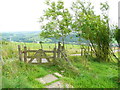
x=52 y=81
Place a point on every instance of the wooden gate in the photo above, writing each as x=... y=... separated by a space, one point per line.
x=41 y=54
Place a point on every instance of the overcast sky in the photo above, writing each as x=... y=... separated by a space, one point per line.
x=23 y=15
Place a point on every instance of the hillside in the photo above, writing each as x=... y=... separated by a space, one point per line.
x=21 y=36
x=33 y=36
x=93 y=74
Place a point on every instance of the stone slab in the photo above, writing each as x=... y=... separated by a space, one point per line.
x=59 y=84
x=57 y=74
x=47 y=79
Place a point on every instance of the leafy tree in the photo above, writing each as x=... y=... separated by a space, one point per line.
x=117 y=36
x=56 y=21
x=93 y=27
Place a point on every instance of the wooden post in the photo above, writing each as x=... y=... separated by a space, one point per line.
x=59 y=45
x=91 y=51
x=62 y=48
x=25 y=54
x=66 y=47
x=39 y=59
x=20 y=53
x=85 y=52
x=28 y=52
x=81 y=51
x=88 y=49
x=55 y=45
x=54 y=54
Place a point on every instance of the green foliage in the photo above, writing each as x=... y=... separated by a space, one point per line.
x=92 y=74
x=62 y=64
x=93 y=27
x=20 y=75
x=9 y=50
x=117 y=36
x=58 y=20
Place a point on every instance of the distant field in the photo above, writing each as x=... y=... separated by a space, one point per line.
x=11 y=49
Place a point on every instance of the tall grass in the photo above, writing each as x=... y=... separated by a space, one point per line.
x=93 y=74
x=9 y=51
x=20 y=75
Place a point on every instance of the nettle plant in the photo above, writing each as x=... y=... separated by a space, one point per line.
x=56 y=21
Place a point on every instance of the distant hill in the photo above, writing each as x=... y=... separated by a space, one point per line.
x=33 y=36
x=20 y=36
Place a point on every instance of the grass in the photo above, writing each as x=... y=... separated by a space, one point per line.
x=92 y=75
x=20 y=75
x=16 y=74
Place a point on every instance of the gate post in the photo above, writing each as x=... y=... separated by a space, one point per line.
x=54 y=54
x=84 y=51
x=81 y=51
x=20 y=53
x=58 y=51
x=88 y=50
x=91 y=52
x=25 y=54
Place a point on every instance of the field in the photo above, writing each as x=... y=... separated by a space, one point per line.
x=92 y=74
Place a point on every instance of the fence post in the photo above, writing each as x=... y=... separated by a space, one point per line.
x=28 y=52
x=85 y=52
x=59 y=46
x=62 y=47
x=54 y=54
x=81 y=52
x=25 y=54
x=114 y=48
x=20 y=53
x=91 y=51
x=88 y=49
x=55 y=45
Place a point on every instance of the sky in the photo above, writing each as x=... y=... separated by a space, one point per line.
x=23 y=15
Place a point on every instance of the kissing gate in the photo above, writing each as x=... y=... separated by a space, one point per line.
x=40 y=54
